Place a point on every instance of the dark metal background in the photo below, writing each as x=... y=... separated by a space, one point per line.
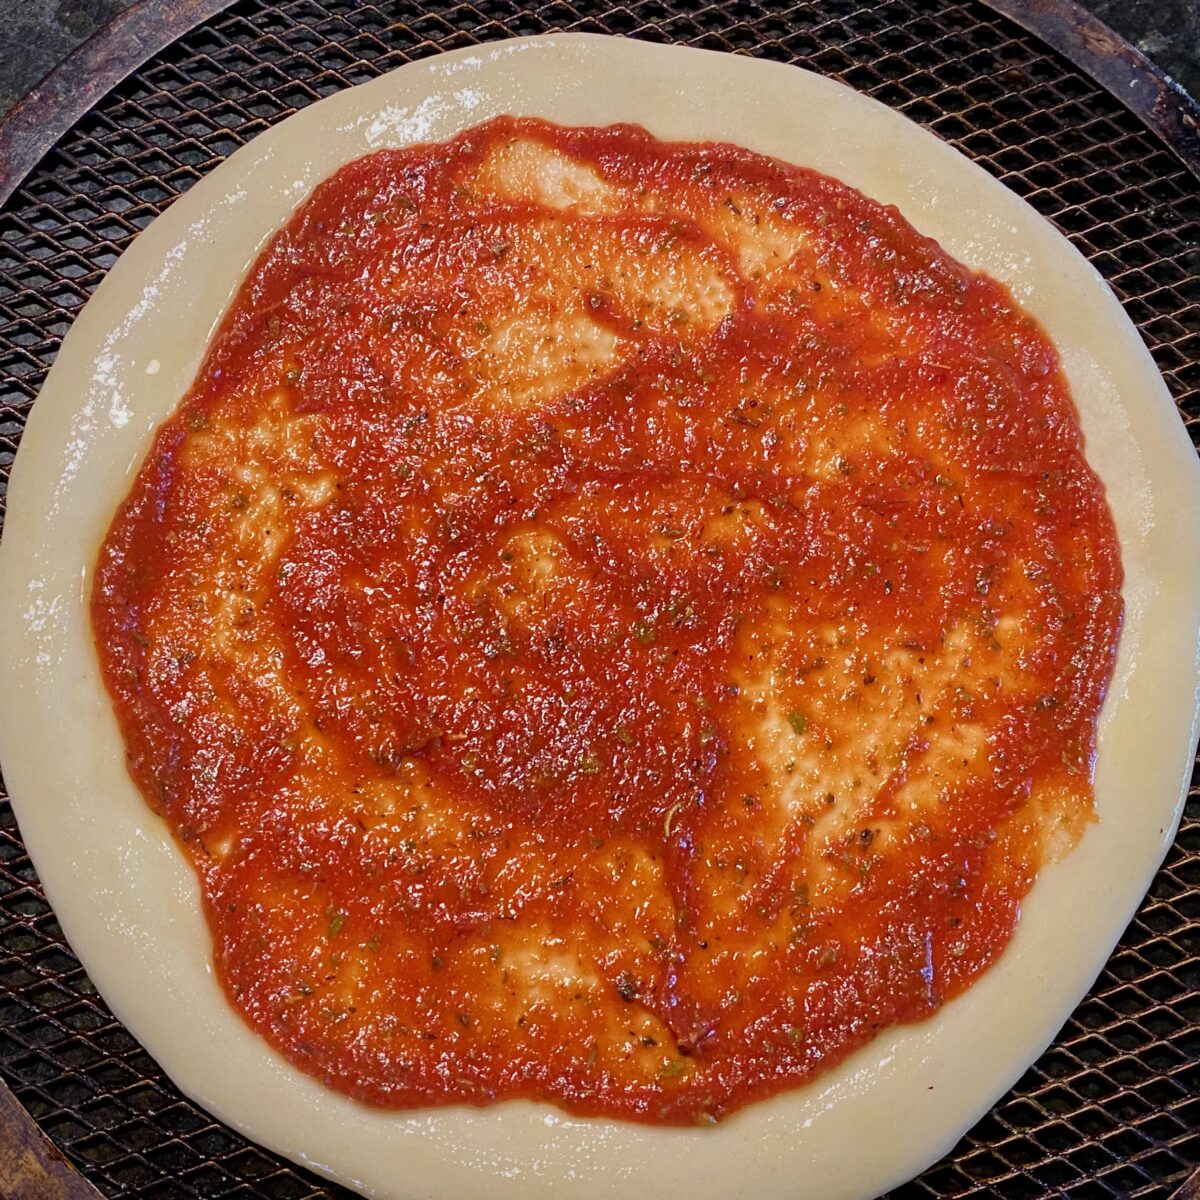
x=1113 y=1108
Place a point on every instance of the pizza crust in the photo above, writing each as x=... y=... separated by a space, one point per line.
x=126 y=898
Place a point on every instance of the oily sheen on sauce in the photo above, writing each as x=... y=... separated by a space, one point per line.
x=613 y=622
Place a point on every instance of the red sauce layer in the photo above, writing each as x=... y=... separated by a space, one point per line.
x=613 y=622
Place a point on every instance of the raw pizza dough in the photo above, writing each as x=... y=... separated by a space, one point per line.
x=129 y=903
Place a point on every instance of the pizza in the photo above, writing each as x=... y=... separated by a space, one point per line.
x=614 y=621
x=606 y=616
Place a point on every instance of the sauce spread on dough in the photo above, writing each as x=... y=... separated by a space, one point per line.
x=613 y=622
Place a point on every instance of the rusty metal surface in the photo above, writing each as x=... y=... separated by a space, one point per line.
x=1119 y=67
x=31 y=1167
x=1113 y=1108
x=52 y=106
x=1190 y=1189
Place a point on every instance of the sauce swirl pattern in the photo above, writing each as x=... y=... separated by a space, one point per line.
x=612 y=622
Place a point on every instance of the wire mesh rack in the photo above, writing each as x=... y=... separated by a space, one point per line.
x=1112 y=1109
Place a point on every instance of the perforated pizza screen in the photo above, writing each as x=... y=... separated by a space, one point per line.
x=1113 y=1108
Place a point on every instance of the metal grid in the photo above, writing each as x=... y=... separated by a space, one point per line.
x=1113 y=1108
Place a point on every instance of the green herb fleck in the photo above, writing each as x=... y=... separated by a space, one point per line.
x=798 y=721
x=644 y=632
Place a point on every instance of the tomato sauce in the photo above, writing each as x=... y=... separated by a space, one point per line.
x=612 y=622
